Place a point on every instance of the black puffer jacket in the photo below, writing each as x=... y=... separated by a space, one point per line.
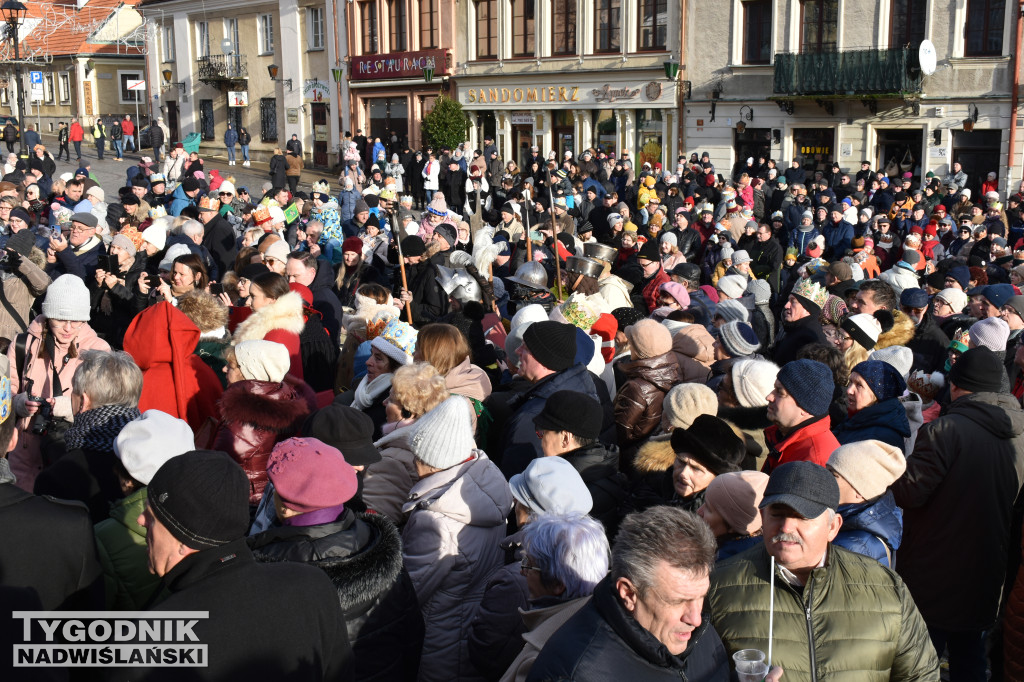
x=604 y=642
x=598 y=466
x=362 y=555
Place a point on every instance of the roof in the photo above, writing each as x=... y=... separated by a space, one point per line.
x=100 y=27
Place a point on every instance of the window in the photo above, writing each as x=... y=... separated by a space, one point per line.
x=907 y=23
x=65 y=88
x=202 y=39
x=397 y=37
x=231 y=33
x=563 y=24
x=266 y=30
x=268 y=119
x=368 y=17
x=757 y=31
x=487 y=29
x=206 y=118
x=48 y=92
x=428 y=24
x=984 y=34
x=653 y=24
x=820 y=20
x=522 y=28
x=133 y=95
x=608 y=25
x=168 y=43
x=316 y=28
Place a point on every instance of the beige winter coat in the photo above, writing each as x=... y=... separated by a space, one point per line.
x=21 y=291
x=694 y=351
x=540 y=625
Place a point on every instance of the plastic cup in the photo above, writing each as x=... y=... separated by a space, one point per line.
x=750 y=665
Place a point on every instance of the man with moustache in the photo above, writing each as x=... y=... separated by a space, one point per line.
x=836 y=614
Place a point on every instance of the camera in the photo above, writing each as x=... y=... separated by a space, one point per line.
x=44 y=419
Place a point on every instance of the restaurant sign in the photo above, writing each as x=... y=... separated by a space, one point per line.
x=398 y=65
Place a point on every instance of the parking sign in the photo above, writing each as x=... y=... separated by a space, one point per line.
x=36 y=77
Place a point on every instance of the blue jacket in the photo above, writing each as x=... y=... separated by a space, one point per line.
x=794 y=213
x=31 y=139
x=179 y=200
x=838 y=239
x=230 y=137
x=885 y=421
x=598 y=187
x=870 y=527
x=520 y=438
x=801 y=240
x=738 y=545
x=347 y=199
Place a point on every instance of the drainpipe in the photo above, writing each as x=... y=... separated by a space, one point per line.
x=1014 y=101
x=682 y=76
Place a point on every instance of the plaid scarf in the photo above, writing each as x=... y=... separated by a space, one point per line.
x=96 y=429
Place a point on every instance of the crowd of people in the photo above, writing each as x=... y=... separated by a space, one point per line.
x=450 y=418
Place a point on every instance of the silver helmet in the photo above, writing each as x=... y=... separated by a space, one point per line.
x=531 y=275
x=459 y=284
x=578 y=265
x=601 y=252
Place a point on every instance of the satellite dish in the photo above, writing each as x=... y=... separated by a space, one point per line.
x=926 y=57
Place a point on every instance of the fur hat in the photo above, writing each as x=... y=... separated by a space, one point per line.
x=869 y=466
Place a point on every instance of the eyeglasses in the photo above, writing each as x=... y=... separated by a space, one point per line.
x=81 y=228
x=525 y=566
x=67 y=324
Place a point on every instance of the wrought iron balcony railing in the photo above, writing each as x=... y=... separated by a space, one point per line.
x=850 y=73
x=222 y=67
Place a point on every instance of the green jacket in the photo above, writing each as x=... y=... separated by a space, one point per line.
x=121 y=543
x=860 y=616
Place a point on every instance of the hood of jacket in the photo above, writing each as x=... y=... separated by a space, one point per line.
x=997 y=413
x=284 y=313
x=594 y=462
x=694 y=341
x=473 y=493
x=126 y=511
x=324 y=277
x=576 y=378
x=466 y=379
x=881 y=517
x=160 y=334
x=266 y=404
x=360 y=553
x=888 y=414
x=660 y=370
x=746 y=418
x=656 y=455
x=902 y=332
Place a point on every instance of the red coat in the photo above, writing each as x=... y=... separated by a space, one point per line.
x=651 y=290
x=255 y=416
x=75 y=133
x=811 y=443
x=174 y=380
x=128 y=126
x=282 y=322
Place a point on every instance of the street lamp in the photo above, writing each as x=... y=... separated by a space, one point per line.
x=273 y=70
x=13 y=13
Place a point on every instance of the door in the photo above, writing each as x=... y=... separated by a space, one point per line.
x=235 y=118
x=752 y=142
x=172 y=122
x=979 y=153
x=902 y=146
x=320 y=135
x=814 y=146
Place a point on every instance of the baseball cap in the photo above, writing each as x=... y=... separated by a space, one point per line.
x=808 y=488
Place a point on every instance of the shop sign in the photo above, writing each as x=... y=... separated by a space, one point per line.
x=398 y=65
x=519 y=119
x=320 y=133
x=292 y=115
x=316 y=91
x=238 y=98
x=566 y=95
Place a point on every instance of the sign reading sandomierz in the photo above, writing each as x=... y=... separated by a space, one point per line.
x=398 y=65
x=75 y=639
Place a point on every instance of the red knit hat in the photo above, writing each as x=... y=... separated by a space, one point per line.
x=353 y=244
x=606 y=327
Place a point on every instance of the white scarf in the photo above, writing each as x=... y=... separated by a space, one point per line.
x=368 y=391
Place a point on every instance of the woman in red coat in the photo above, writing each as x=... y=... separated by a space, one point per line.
x=276 y=316
x=260 y=407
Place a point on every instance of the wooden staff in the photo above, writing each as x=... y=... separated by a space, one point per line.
x=526 y=218
x=554 y=235
x=401 y=262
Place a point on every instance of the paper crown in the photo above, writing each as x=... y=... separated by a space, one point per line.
x=322 y=186
x=375 y=326
x=810 y=290
x=157 y=212
x=400 y=335
x=133 y=234
x=209 y=204
x=261 y=215
x=388 y=194
x=579 y=311
x=961 y=340
x=157 y=177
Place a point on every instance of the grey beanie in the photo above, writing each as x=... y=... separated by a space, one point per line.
x=731 y=310
x=67 y=299
x=444 y=436
x=761 y=290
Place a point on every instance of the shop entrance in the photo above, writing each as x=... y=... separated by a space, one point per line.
x=604 y=134
x=648 y=137
x=320 y=135
x=172 y=124
x=899 y=151
x=564 y=134
x=752 y=142
x=522 y=140
x=815 y=147
x=978 y=152
x=387 y=115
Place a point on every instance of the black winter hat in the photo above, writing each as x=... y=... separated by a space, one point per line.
x=345 y=428
x=552 y=343
x=571 y=411
x=712 y=442
x=413 y=246
x=139 y=181
x=202 y=498
x=978 y=370
x=190 y=184
x=649 y=251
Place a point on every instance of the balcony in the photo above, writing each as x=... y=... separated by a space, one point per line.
x=222 y=68
x=848 y=74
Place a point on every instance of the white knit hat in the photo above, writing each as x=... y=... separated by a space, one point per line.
x=67 y=298
x=685 y=402
x=956 y=299
x=143 y=445
x=260 y=360
x=733 y=286
x=155 y=235
x=869 y=466
x=444 y=436
x=175 y=251
x=753 y=380
x=900 y=357
x=991 y=332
